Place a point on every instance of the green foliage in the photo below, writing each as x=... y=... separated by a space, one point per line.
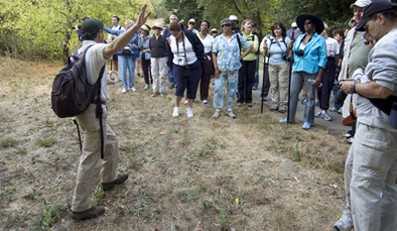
x=44 y=28
x=8 y=142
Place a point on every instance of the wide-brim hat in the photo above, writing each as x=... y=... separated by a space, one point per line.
x=300 y=20
x=157 y=25
x=145 y=27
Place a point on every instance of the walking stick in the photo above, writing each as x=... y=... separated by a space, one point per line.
x=263 y=78
x=291 y=61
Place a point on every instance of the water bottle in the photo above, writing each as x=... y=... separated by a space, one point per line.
x=313 y=82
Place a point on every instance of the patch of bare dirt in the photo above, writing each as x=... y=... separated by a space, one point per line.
x=249 y=173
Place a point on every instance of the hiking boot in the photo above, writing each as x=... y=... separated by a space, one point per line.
x=231 y=114
x=121 y=178
x=282 y=110
x=217 y=114
x=175 y=112
x=93 y=212
x=189 y=112
x=345 y=223
x=326 y=116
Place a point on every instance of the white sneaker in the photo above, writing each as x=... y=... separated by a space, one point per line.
x=146 y=87
x=231 y=114
x=123 y=90
x=185 y=102
x=133 y=89
x=189 y=112
x=217 y=114
x=175 y=112
x=205 y=101
x=319 y=114
x=345 y=223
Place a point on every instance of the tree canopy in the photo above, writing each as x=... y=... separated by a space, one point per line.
x=44 y=28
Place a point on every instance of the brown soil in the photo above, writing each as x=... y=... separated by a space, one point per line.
x=250 y=173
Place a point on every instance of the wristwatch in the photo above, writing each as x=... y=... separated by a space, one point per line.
x=353 y=88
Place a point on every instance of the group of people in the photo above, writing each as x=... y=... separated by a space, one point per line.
x=368 y=68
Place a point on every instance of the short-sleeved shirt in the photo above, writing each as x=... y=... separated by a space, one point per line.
x=332 y=47
x=278 y=50
x=207 y=42
x=228 y=51
x=94 y=61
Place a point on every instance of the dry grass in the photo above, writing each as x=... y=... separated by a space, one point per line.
x=185 y=174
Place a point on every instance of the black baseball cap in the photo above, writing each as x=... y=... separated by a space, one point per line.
x=91 y=25
x=372 y=9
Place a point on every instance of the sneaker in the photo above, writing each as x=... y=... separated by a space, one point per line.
x=231 y=114
x=204 y=101
x=155 y=94
x=285 y=120
x=249 y=104
x=146 y=87
x=345 y=223
x=239 y=104
x=217 y=114
x=189 y=112
x=175 y=112
x=282 y=110
x=317 y=102
x=185 y=102
x=350 y=140
x=273 y=108
x=319 y=114
x=333 y=109
x=304 y=101
x=133 y=89
x=123 y=90
x=93 y=212
x=121 y=178
x=348 y=135
x=172 y=86
x=326 y=116
x=306 y=125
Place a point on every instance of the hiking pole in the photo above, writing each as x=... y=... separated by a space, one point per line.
x=263 y=77
x=291 y=61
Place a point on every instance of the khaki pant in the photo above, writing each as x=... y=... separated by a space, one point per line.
x=91 y=166
x=278 y=76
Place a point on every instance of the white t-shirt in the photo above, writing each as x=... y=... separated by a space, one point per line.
x=332 y=47
x=94 y=61
x=183 y=54
x=207 y=43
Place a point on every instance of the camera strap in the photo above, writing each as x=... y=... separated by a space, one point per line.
x=183 y=45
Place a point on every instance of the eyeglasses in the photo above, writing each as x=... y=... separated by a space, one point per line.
x=307 y=23
x=191 y=23
x=225 y=25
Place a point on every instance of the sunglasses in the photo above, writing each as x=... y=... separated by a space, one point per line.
x=225 y=25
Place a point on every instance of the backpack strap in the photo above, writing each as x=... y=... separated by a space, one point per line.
x=99 y=111
x=238 y=41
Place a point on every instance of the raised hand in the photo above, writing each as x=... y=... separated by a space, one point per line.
x=142 y=17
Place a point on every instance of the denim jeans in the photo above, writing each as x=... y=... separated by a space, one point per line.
x=126 y=61
x=297 y=81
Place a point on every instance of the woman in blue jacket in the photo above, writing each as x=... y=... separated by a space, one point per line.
x=310 y=57
x=126 y=57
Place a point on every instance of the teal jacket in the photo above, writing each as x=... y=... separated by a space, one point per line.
x=314 y=57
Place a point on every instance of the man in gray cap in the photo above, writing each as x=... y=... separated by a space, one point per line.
x=373 y=184
x=91 y=167
x=355 y=57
